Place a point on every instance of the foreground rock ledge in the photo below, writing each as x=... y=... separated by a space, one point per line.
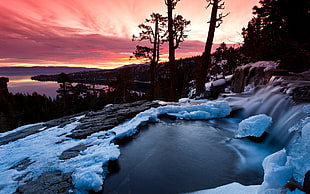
x=105 y=119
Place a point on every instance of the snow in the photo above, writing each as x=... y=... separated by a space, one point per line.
x=249 y=89
x=253 y=126
x=43 y=149
x=298 y=151
x=204 y=110
x=89 y=168
x=267 y=65
x=306 y=108
x=276 y=173
x=232 y=188
x=218 y=82
x=19 y=129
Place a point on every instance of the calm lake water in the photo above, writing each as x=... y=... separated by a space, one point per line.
x=20 y=79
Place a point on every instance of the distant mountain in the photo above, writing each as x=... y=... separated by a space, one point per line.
x=139 y=73
x=32 y=71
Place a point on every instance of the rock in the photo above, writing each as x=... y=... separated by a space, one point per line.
x=92 y=122
x=22 y=165
x=108 y=118
x=258 y=73
x=48 y=183
x=21 y=134
x=295 y=85
x=72 y=152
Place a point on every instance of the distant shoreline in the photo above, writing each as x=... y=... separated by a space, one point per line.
x=20 y=78
x=8 y=71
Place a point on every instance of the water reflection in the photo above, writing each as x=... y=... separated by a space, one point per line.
x=23 y=84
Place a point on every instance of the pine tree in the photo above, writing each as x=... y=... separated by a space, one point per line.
x=215 y=21
x=176 y=34
x=154 y=34
x=279 y=31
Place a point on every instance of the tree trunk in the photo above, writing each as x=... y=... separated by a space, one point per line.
x=172 y=68
x=206 y=56
x=154 y=60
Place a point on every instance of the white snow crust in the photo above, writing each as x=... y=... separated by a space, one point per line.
x=232 y=188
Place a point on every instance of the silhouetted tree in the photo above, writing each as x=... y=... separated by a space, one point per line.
x=215 y=21
x=155 y=35
x=65 y=91
x=176 y=34
x=123 y=85
x=226 y=60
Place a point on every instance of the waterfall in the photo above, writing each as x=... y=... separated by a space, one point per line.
x=272 y=101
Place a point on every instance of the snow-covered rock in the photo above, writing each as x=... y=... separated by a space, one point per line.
x=253 y=126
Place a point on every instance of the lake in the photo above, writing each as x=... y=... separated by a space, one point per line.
x=20 y=79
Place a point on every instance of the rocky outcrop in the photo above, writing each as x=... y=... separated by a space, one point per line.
x=109 y=117
x=296 y=85
x=21 y=133
x=48 y=183
x=55 y=181
x=258 y=73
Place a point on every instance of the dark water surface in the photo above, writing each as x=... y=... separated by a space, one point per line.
x=177 y=157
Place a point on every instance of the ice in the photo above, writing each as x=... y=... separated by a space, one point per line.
x=276 y=173
x=253 y=126
x=204 y=110
x=306 y=108
x=298 y=151
x=249 y=89
x=232 y=188
x=207 y=110
x=306 y=133
x=86 y=180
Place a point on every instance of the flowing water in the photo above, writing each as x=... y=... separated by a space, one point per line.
x=272 y=102
x=185 y=156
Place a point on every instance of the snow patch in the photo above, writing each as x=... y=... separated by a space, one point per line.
x=267 y=65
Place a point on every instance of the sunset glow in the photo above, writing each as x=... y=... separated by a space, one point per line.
x=98 y=33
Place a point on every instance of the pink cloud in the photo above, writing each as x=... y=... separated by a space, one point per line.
x=96 y=32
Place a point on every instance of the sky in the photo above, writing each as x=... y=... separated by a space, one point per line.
x=98 y=33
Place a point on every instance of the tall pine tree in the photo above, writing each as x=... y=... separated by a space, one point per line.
x=279 y=31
